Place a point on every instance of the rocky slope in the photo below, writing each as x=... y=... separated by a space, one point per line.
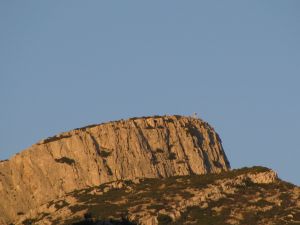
x=150 y=147
x=245 y=196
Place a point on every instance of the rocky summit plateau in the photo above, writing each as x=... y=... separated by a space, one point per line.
x=148 y=171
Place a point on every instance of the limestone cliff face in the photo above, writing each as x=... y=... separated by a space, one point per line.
x=126 y=149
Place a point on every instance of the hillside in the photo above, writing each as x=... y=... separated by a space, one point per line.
x=147 y=147
x=142 y=171
x=245 y=196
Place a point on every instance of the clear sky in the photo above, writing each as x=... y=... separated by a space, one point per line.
x=67 y=64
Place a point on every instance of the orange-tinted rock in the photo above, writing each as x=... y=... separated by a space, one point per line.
x=126 y=149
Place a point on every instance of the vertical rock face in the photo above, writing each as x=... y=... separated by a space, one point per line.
x=126 y=149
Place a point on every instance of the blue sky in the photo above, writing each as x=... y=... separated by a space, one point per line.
x=67 y=64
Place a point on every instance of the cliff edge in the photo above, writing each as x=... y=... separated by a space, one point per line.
x=148 y=147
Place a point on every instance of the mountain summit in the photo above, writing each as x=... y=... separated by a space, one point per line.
x=159 y=170
x=147 y=147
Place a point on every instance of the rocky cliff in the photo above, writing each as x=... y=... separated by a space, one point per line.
x=149 y=147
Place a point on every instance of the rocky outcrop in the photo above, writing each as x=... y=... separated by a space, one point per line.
x=244 y=196
x=149 y=147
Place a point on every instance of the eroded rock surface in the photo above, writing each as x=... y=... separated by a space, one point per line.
x=244 y=196
x=149 y=147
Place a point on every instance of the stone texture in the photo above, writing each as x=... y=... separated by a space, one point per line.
x=90 y=156
x=234 y=196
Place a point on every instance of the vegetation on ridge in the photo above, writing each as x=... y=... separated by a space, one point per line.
x=239 y=201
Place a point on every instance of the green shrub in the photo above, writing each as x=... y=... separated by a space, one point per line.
x=164 y=219
x=104 y=154
x=66 y=160
x=172 y=156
